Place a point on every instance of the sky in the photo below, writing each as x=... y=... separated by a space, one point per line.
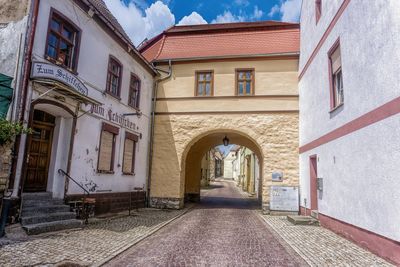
x=143 y=19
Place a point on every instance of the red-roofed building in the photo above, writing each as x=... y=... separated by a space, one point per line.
x=234 y=83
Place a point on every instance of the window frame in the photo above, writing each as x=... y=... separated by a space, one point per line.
x=135 y=139
x=115 y=132
x=111 y=58
x=196 y=83
x=76 y=46
x=318 y=10
x=332 y=76
x=137 y=104
x=253 y=79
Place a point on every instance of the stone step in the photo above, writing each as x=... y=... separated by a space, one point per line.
x=314 y=214
x=41 y=218
x=38 y=203
x=32 y=211
x=302 y=220
x=36 y=196
x=34 y=229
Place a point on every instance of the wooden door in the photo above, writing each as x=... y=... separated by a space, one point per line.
x=39 y=152
x=313 y=183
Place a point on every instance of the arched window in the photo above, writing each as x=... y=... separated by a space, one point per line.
x=134 y=92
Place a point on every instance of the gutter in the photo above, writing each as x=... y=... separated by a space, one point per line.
x=290 y=54
x=153 y=110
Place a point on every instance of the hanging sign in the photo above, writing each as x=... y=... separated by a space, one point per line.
x=53 y=72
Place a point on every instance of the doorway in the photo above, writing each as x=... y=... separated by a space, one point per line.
x=39 y=151
x=313 y=183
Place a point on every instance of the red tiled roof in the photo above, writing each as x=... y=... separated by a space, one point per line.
x=223 y=40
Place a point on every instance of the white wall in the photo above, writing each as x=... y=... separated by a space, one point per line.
x=360 y=170
x=95 y=48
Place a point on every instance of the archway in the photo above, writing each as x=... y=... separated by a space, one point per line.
x=193 y=156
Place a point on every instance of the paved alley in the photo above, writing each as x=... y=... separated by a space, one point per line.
x=224 y=230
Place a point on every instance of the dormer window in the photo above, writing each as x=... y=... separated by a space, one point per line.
x=62 y=41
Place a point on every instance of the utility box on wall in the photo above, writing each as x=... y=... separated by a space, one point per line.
x=284 y=198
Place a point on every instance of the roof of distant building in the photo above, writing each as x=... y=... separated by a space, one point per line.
x=227 y=40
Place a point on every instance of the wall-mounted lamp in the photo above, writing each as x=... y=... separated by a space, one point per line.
x=139 y=114
x=225 y=141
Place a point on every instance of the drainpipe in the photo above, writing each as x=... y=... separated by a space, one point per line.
x=20 y=144
x=153 y=110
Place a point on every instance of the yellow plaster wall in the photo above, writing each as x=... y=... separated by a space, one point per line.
x=266 y=123
x=272 y=77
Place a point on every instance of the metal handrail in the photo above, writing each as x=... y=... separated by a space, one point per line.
x=85 y=207
x=60 y=171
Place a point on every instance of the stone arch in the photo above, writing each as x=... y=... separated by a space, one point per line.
x=275 y=133
x=198 y=146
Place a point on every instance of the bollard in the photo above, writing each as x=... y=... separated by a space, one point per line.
x=4 y=215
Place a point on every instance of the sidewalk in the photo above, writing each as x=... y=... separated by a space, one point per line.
x=96 y=243
x=319 y=246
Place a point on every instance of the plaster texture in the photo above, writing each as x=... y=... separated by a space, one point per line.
x=359 y=170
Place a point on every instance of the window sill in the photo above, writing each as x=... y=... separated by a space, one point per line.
x=128 y=173
x=105 y=172
x=58 y=64
x=114 y=96
x=336 y=108
x=135 y=108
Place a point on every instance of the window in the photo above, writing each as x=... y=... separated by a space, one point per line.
x=63 y=39
x=204 y=83
x=336 y=80
x=107 y=148
x=134 y=92
x=318 y=10
x=245 y=82
x=128 y=166
x=114 y=76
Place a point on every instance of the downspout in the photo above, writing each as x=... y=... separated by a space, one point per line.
x=153 y=110
x=21 y=139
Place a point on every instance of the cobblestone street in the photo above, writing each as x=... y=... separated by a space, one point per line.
x=223 y=231
x=90 y=246
x=227 y=230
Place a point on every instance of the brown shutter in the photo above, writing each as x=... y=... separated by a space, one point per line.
x=336 y=60
x=106 y=151
x=128 y=156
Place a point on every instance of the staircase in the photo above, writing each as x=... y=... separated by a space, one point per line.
x=41 y=213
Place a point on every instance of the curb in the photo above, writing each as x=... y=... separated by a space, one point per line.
x=137 y=240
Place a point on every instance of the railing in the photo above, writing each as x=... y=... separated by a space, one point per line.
x=86 y=207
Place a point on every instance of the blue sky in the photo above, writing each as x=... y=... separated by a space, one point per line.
x=146 y=18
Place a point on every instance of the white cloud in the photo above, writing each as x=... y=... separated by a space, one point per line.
x=139 y=25
x=242 y=2
x=275 y=9
x=228 y=17
x=289 y=10
x=257 y=14
x=192 y=19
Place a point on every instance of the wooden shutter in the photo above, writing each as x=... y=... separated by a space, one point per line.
x=128 y=165
x=107 y=147
x=106 y=151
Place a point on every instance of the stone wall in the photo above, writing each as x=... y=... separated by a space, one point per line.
x=13 y=10
x=272 y=136
x=5 y=166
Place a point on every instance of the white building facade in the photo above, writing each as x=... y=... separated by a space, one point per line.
x=349 y=119
x=88 y=102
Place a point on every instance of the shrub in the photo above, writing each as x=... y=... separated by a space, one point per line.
x=9 y=130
